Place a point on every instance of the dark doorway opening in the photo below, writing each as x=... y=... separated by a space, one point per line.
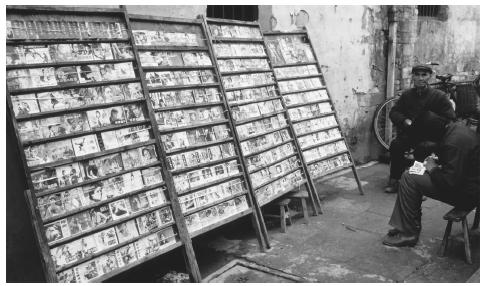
x=233 y=12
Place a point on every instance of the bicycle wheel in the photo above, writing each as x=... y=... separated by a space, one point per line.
x=382 y=125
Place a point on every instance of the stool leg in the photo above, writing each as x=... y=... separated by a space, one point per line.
x=282 y=219
x=467 y=247
x=446 y=238
x=305 y=210
x=476 y=222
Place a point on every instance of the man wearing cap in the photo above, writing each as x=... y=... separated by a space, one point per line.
x=453 y=177
x=412 y=102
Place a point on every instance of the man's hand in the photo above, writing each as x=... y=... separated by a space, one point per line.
x=430 y=162
x=407 y=122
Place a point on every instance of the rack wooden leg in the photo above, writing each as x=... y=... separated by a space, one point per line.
x=282 y=219
x=305 y=210
x=358 y=181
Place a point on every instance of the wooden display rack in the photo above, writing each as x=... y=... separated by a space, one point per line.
x=306 y=57
x=262 y=97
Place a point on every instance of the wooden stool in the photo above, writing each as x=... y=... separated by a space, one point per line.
x=457 y=215
x=284 y=213
x=302 y=196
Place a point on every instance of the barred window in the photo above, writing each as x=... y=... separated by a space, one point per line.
x=233 y=12
x=429 y=10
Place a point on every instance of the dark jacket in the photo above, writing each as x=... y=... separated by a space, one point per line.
x=459 y=156
x=411 y=104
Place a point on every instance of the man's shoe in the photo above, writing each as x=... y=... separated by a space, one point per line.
x=400 y=240
x=393 y=232
x=392 y=187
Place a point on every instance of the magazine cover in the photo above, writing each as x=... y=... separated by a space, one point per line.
x=89 y=73
x=67 y=253
x=156 y=197
x=29 y=130
x=166 y=237
x=53 y=127
x=62 y=53
x=79 y=222
x=69 y=174
x=119 y=209
x=132 y=135
x=107 y=262
x=76 y=122
x=152 y=176
x=66 y=75
x=54 y=100
x=44 y=180
x=123 y=70
x=139 y=202
x=50 y=206
x=37 y=54
x=43 y=77
x=100 y=215
x=148 y=154
x=19 y=79
x=187 y=202
x=109 y=139
x=85 y=145
x=105 y=238
x=126 y=255
x=87 y=271
x=147 y=222
x=126 y=231
x=67 y=276
x=147 y=245
x=193 y=222
x=88 y=245
x=73 y=199
x=24 y=104
x=114 y=187
x=165 y=215
x=132 y=158
x=57 y=230
x=122 y=51
x=49 y=152
x=134 y=112
x=132 y=181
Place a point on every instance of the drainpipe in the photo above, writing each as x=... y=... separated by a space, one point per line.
x=390 y=76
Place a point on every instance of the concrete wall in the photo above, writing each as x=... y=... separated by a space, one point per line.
x=350 y=42
x=453 y=42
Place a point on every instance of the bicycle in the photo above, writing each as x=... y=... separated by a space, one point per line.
x=461 y=93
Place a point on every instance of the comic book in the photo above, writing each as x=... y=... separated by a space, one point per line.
x=66 y=75
x=107 y=262
x=105 y=238
x=100 y=215
x=67 y=276
x=69 y=174
x=119 y=209
x=134 y=112
x=88 y=245
x=57 y=230
x=126 y=255
x=85 y=145
x=126 y=231
x=43 y=77
x=87 y=271
x=25 y=104
x=29 y=130
x=73 y=199
x=193 y=222
x=147 y=245
x=67 y=253
x=44 y=180
x=18 y=79
x=132 y=158
x=132 y=181
x=54 y=100
x=50 y=206
x=109 y=139
x=131 y=135
x=147 y=222
x=124 y=70
x=166 y=237
x=49 y=152
x=79 y=222
x=139 y=202
x=37 y=54
x=132 y=91
x=89 y=73
x=156 y=197
x=152 y=176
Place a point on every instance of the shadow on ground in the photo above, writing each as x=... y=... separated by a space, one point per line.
x=344 y=244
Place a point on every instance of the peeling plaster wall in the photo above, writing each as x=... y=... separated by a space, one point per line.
x=351 y=46
x=176 y=11
x=454 y=43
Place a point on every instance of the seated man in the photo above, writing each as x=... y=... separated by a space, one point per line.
x=454 y=178
x=412 y=102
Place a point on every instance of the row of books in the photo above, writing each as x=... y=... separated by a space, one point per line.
x=90 y=120
x=261 y=126
x=59 y=53
x=165 y=38
x=236 y=65
x=215 y=214
x=175 y=98
x=65 y=29
x=239 y=50
x=250 y=94
x=99 y=215
x=168 y=59
x=320 y=168
x=78 y=172
x=319 y=137
x=181 y=140
x=310 y=111
x=234 y=31
x=123 y=256
x=265 y=141
x=295 y=71
x=173 y=78
x=276 y=170
x=314 y=124
x=247 y=80
x=84 y=145
x=188 y=117
x=281 y=186
x=67 y=75
x=190 y=180
x=300 y=84
x=200 y=156
x=324 y=151
x=289 y=49
x=243 y=112
x=125 y=207
x=265 y=158
x=305 y=97
x=75 y=97
x=209 y=195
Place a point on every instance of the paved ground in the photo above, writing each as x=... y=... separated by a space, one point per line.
x=344 y=244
